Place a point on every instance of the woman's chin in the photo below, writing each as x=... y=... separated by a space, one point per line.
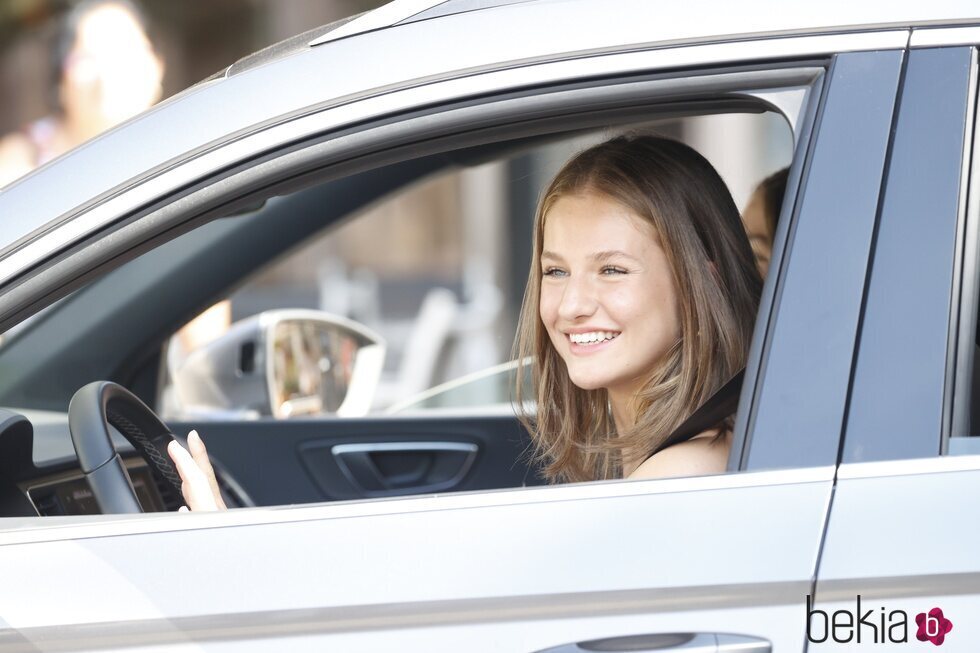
x=588 y=382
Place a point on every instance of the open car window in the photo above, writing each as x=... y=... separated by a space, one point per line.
x=349 y=334
x=435 y=272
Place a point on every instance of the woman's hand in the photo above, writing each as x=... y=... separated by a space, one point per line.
x=200 y=488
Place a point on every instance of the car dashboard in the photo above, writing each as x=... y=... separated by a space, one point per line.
x=69 y=493
x=40 y=475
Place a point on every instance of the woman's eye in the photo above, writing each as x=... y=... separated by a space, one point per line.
x=554 y=272
x=612 y=269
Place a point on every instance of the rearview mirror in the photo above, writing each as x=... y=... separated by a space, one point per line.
x=283 y=363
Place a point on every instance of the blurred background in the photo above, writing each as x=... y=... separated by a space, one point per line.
x=437 y=269
x=194 y=38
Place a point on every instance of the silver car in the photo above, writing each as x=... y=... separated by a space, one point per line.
x=844 y=520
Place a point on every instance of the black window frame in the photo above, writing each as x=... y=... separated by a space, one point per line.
x=900 y=400
x=800 y=402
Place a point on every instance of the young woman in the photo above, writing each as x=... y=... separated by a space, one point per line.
x=639 y=305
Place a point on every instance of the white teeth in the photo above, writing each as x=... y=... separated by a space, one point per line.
x=592 y=336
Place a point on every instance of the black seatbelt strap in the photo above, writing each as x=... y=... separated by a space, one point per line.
x=720 y=405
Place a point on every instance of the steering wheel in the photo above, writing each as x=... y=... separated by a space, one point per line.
x=92 y=410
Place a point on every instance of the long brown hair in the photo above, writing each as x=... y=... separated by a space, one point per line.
x=680 y=194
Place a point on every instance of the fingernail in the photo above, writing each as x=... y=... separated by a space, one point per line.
x=193 y=434
x=177 y=449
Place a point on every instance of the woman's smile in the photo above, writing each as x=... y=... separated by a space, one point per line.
x=590 y=341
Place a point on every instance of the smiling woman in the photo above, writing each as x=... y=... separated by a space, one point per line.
x=639 y=306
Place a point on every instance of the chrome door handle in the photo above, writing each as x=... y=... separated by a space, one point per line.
x=660 y=642
x=438 y=466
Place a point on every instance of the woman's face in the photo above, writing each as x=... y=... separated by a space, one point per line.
x=608 y=299
x=758 y=230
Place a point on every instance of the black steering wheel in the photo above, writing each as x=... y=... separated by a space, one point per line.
x=92 y=410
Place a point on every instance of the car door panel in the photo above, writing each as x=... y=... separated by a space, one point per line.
x=543 y=567
x=900 y=536
x=310 y=460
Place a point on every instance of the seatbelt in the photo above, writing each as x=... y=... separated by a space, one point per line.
x=720 y=405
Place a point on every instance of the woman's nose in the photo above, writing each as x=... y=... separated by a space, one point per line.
x=578 y=299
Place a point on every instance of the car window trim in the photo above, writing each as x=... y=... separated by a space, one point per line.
x=798 y=412
x=932 y=37
x=963 y=321
x=899 y=404
x=909 y=467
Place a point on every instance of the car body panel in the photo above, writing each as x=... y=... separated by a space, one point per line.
x=899 y=535
x=495 y=562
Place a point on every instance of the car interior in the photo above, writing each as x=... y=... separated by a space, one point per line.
x=114 y=323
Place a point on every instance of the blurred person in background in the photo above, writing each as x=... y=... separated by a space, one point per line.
x=761 y=215
x=104 y=70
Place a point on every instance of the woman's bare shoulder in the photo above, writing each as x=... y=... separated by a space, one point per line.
x=701 y=455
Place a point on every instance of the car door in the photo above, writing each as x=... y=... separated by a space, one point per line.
x=897 y=564
x=718 y=562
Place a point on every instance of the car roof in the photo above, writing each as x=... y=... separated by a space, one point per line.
x=401 y=12
x=461 y=37
x=689 y=21
x=700 y=19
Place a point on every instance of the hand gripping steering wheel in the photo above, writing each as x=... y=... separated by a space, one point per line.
x=92 y=410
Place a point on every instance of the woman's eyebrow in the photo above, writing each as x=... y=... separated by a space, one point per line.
x=612 y=253
x=597 y=256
